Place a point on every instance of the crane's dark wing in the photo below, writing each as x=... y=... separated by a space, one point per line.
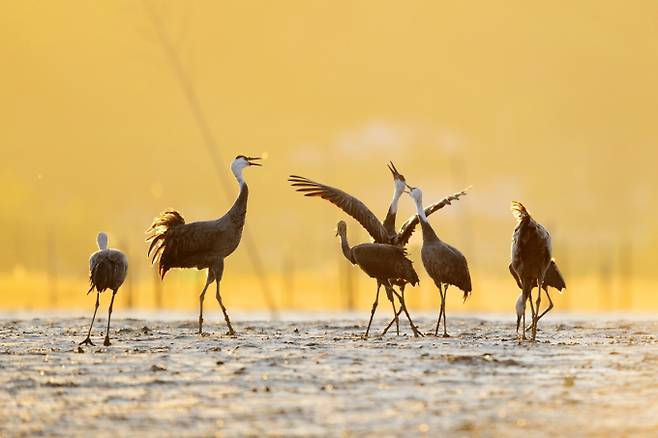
x=407 y=228
x=348 y=203
x=516 y=277
x=554 y=277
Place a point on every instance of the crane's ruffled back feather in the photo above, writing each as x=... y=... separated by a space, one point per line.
x=162 y=224
x=519 y=211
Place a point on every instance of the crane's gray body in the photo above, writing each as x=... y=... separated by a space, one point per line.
x=386 y=263
x=444 y=263
x=107 y=269
x=200 y=245
x=531 y=249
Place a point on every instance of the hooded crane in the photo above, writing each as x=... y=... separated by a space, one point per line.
x=201 y=245
x=531 y=258
x=402 y=237
x=553 y=278
x=107 y=270
x=384 y=263
x=407 y=229
x=379 y=232
x=444 y=263
x=399 y=183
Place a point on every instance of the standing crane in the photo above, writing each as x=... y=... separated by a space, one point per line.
x=407 y=229
x=444 y=263
x=553 y=278
x=201 y=245
x=384 y=263
x=531 y=258
x=108 y=268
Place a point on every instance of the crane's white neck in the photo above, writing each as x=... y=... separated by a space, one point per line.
x=399 y=189
x=101 y=240
x=418 y=200
x=237 y=167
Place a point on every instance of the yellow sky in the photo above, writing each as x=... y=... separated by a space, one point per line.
x=554 y=105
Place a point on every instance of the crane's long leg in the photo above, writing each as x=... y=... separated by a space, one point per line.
x=532 y=312
x=404 y=308
x=218 y=270
x=231 y=332
x=535 y=318
x=395 y=318
x=443 y=305
x=526 y=294
x=87 y=341
x=397 y=315
x=438 y=321
x=550 y=305
x=374 y=307
x=109 y=316
x=202 y=296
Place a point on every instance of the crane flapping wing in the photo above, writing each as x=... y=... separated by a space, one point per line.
x=407 y=228
x=348 y=203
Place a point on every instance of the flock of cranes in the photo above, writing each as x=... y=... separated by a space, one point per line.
x=205 y=245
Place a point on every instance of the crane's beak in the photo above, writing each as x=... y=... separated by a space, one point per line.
x=392 y=168
x=408 y=190
x=251 y=160
x=394 y=171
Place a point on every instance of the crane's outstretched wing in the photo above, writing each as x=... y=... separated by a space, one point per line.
x=407 y=228
x=348 y=203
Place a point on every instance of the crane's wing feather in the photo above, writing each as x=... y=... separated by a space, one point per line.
x=407 y=228
x=554 y=277
x=346 y=202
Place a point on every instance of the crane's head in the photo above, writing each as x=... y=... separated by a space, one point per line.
x=415 y=193
x=400 y=182
x=242 y=161
x=341 y=228
x=101 y=240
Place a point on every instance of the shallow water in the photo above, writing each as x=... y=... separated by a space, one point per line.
x=159 y=378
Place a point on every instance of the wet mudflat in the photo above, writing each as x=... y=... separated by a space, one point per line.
x=318 y=378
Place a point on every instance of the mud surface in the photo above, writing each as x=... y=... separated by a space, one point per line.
x=312 y=378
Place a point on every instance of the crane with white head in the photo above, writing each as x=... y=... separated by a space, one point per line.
x=107 y=270
x=204 y=244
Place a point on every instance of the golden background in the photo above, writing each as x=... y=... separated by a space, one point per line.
x=553 y=104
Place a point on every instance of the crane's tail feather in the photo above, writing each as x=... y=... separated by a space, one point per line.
x=157 y=235
x=519 y=211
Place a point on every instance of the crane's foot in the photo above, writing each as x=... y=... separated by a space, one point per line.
x=230 y=332
x=446 y=335
x=416 y=332
x=107 y=342
x=87 y=342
